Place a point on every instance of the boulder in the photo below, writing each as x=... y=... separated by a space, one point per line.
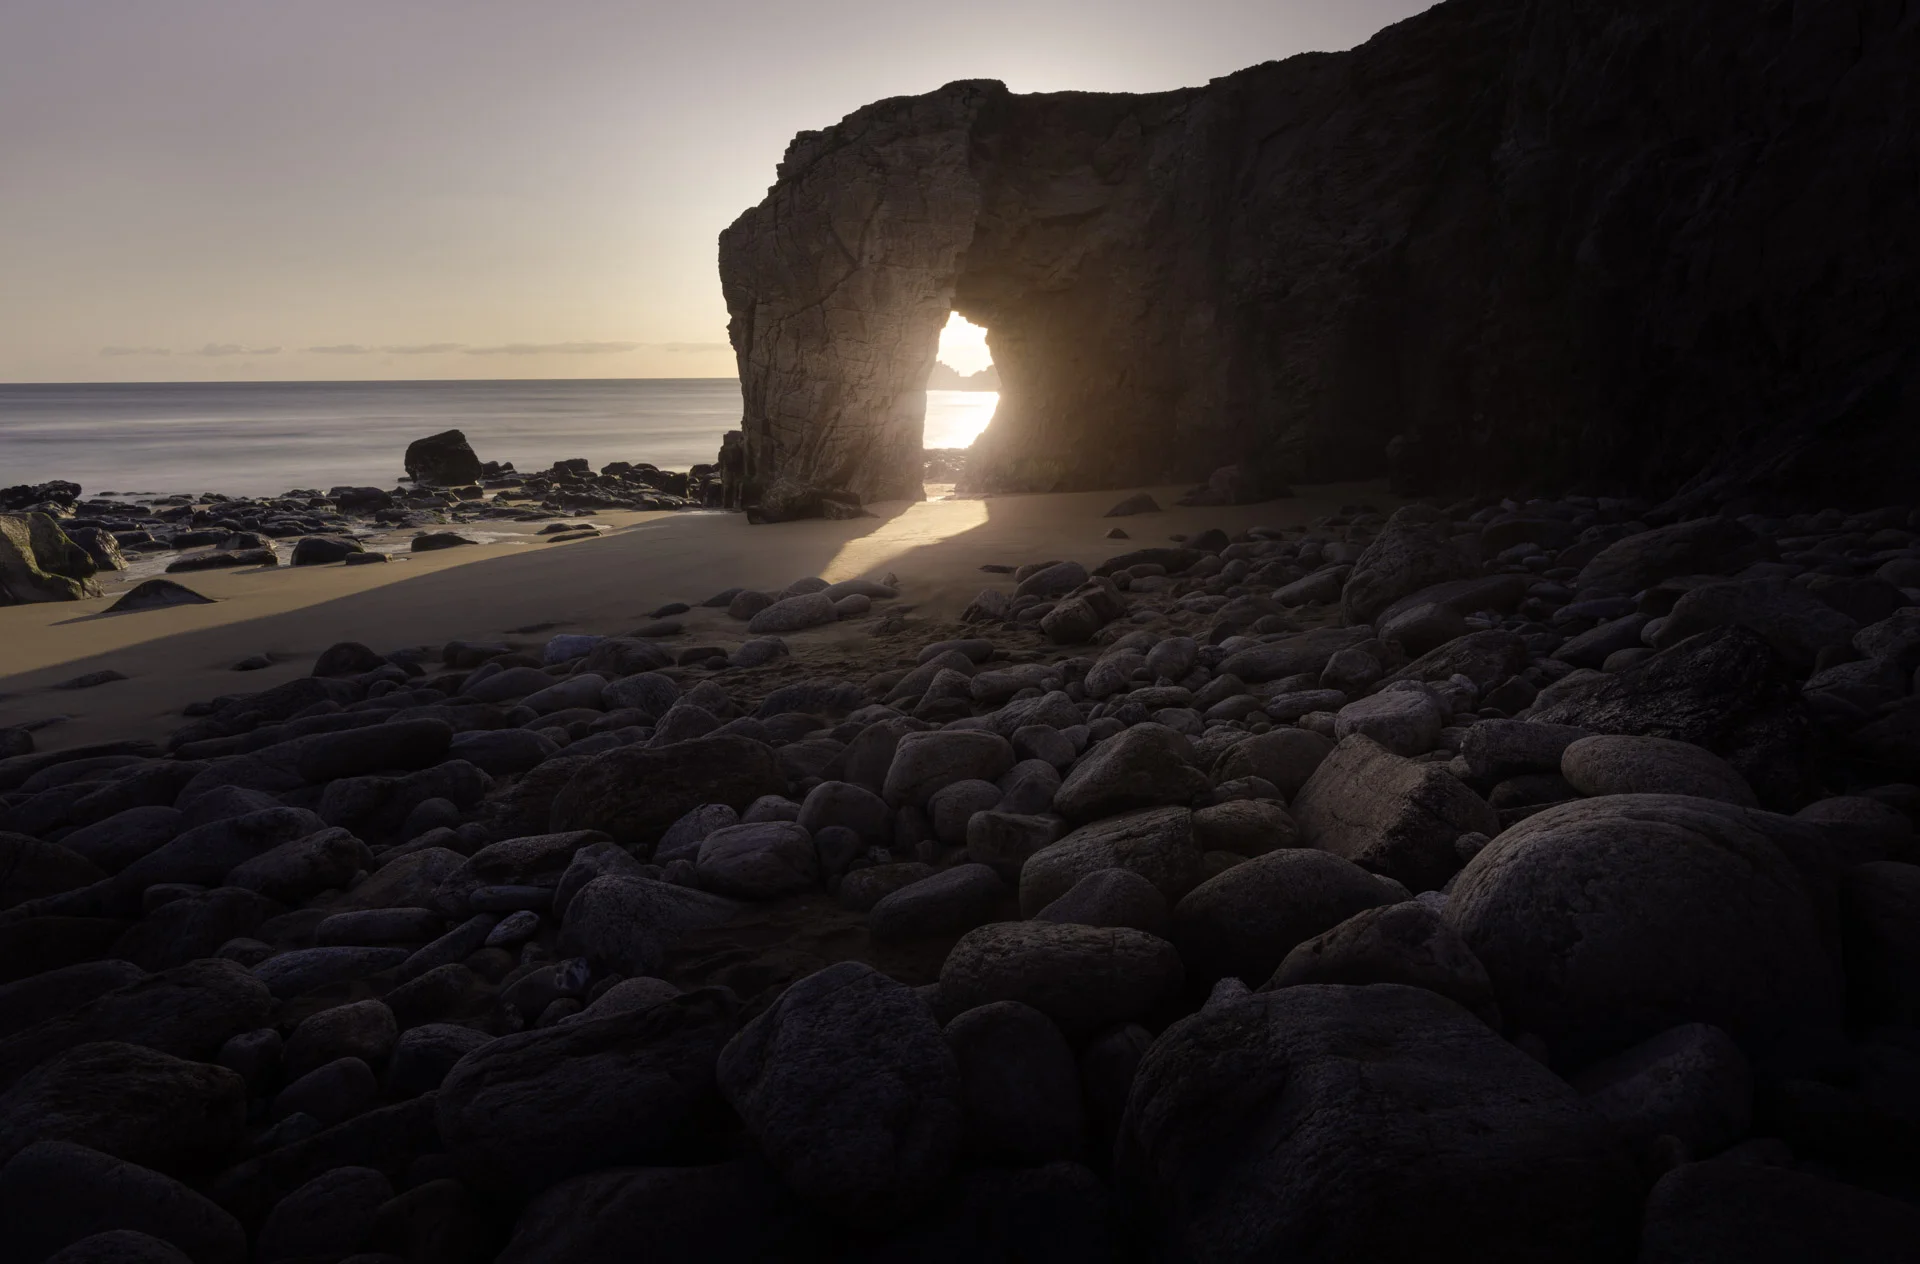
x=1246 y=827
x=193 y=926
x=1797 y=624
x=1305 y=654
x=685 y=1215
x=188 y=1011
x=120 y=1246
x=1110 y=897
x=135 y=1104
x=360 y=1029
x=1691 y=1083
x=524 y=1111
x=1704 y=546
x=760 y=860
x=851 y=1092
x=443 y=460
x=1725 y=1212
x=1146 y=766
x=1286 y=757
x=1389 y=815
x=1603 y=922
x=56 y=1193
x=331 y=1216
x=39 y=563
x=1242 y=923
x=793 y=614
x=31 y=869
x=1725 y=690
x=1405 y=721
x=1612 y=764
x=1412 y=552
x=1019 y=1085
x=320 y=550
x=1880 y=928
x=633 y=793
x=950 y=902
x=924 y=763
x=1486 y=658
x=628 y=923
x=1356 y=1123
x=296 y=871
x=1406 y=943
x=1082 y=977
x=157 y=594
x=1156 y=843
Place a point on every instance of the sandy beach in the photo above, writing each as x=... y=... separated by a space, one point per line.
x=521 y=589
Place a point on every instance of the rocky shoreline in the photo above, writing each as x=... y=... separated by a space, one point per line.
x=1485 y=881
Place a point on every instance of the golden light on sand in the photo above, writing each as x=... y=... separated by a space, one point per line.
x=924 y=523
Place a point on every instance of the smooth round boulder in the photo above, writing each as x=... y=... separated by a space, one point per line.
x=925 y=763
x=1285 y=756
x=950 y=902
x=851 y=1092
x=1145 y=766
x=1156 y=843
x=1603 y=922
x=1610 y=764
x=1110 y=897
x=1365 y=1123
x=1019 y=1083
x=329 y=1217
x=1405 y=943
x=1242 y=923
x=1249 y=827
x=55 y=1193
x=763 y=860
x=1082 y=977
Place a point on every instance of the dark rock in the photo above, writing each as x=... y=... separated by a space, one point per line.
x=950 y=902
x=194 y=926
x=1395 y=943
x=1082 y=977
x=1018 y=1083
x=924 y=763
x=1156 y=843
x=1651 y=765
x=298 y=972
x=120 y=1246
x=525 y=1111
x=432 y=541
x=55 y=1193
x=628 y=924
x=1684 y=910
x=329 y=1094
x=60 y=991
x=319 y=550
x=1691 y=1083
x=1880 y=923
x=135 y=1104
x=1411 y=553
x=442 y=460
x=1704 y=546
x=330 y=1217
x=1138 y=503
x=634 y=793
x=1724 y=690
x=39 y=563
x=1389 y=815
x=1723 y=1212
x=1148 y=765
x=685 y=1215
x=761 y=860
x=1243 y=923
x=31 y=869
x=188 y=1011
x=851 y=1093
x=423 y=1056
x=1797 y=624
x=361 y=1029
x=1111 y=897
x=1256 y=1129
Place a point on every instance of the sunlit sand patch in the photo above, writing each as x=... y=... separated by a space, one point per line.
x=923 y=523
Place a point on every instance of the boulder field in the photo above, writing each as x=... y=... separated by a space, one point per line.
x=1495 y=881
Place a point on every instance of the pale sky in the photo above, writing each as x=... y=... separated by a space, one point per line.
x=350 y=189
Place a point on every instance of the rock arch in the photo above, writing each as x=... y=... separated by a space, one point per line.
x=1504 y=243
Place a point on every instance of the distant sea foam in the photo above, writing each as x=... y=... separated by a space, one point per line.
x=262 y=438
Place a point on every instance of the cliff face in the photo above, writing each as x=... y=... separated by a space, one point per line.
x=1506 y=243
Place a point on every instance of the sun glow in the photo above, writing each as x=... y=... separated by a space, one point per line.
x=963 y=345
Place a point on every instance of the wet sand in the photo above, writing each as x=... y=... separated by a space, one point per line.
x=522 y=590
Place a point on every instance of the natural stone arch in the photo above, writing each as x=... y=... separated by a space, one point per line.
x=1507 y=243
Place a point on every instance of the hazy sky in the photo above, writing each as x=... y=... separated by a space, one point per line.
x=294 y=189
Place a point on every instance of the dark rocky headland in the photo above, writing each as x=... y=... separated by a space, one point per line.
x=1525 y=873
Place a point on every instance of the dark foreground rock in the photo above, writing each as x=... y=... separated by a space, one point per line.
x=1341 y=1123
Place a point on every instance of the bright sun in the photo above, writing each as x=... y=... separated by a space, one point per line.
x=963 y=345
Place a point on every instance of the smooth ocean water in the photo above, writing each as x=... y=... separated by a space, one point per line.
x=263 y=438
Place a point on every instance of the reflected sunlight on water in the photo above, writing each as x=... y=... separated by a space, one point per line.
x=956 y=418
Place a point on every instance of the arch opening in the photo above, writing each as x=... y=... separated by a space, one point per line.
x=963 y=391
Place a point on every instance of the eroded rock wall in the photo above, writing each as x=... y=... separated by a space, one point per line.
x=1504 y=243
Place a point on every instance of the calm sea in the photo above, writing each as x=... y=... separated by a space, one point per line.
x=261 y=438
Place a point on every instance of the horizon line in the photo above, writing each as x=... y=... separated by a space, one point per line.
x=361 y=381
